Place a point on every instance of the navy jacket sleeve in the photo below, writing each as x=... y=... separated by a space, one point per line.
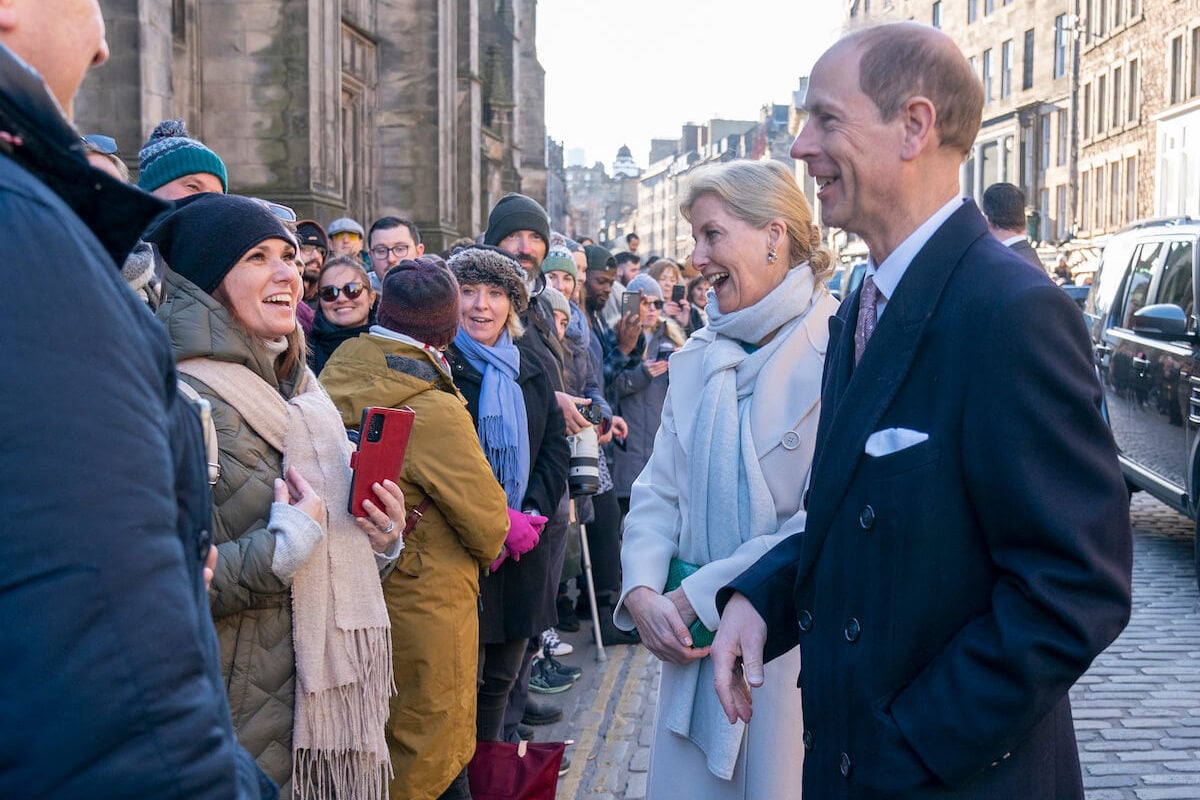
x=108 y=654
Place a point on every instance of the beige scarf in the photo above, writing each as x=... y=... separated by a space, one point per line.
x=340 y=624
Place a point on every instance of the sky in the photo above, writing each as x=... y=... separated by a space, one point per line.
x=628 y=71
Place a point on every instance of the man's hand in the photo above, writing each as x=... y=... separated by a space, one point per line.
x=575 y=421
x=661 y=626
x=629 y=328
x=737 y=655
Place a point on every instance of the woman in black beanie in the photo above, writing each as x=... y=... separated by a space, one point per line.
x=281 y=523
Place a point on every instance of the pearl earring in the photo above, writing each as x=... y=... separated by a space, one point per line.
x=772 y=256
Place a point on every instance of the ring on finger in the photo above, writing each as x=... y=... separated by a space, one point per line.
x=391 y=526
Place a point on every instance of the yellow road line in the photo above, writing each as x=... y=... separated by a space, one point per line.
x=585 y=745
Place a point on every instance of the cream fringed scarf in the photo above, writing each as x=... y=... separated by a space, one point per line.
x=340 y=624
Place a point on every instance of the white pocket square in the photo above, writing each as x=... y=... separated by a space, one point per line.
x=893 y=440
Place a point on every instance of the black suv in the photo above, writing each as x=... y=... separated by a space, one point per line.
x=1142 y=314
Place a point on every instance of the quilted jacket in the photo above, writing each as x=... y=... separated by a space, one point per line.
x=251 y=607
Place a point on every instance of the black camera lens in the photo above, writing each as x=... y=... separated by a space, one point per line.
x=375 y=428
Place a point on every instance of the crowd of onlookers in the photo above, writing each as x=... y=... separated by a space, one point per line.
x=526 y=325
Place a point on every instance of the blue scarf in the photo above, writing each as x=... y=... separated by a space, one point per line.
x=503 y=423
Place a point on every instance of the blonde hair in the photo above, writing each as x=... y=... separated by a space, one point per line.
x=758 y=192
x=660 y=265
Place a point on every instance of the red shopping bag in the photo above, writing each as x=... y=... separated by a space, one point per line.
x=525 y=771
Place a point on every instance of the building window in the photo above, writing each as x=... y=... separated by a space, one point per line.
x=1175 y=74
x=1085 y=119
x=1060 y=45
x=1044 y=156
x=1118 y=14
x=1135 y=9
x=1027 y=65
x=937 y=14
x=989 y=6
x=972 y=11
x=1098 y=205
x=1006 y=51
x=1195 y=87
x=1114 y=191
x=1118 y=84
x=1063 y=138
x=974 y=61
x=1134 y=95
x=987 y=76
x=1101 y=17
x=1060 y=202
x=1085 y=185
x=1131 y=188
x=1101 y=99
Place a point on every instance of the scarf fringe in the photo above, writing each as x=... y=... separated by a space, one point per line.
x=504 y=459
x=353 y=717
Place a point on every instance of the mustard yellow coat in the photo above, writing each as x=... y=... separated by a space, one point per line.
x=432 y=594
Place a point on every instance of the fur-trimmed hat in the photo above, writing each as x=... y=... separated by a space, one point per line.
x=420 y=299
x=171 y=153
x=491 y=265
x=516 y=212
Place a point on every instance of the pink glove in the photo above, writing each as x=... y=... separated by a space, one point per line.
x=524 y=532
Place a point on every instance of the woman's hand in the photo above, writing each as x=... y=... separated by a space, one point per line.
x=382 y=525
x=661 y=625
x=655 y=368
x=296 y=491
x=679 y=311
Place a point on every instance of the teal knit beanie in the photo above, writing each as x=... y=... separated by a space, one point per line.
x=560 y=259
x=171 y=153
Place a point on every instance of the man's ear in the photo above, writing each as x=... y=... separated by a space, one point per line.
x=920 y=126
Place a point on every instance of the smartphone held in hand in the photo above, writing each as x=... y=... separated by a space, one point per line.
x=383 y=439
x=631 y=303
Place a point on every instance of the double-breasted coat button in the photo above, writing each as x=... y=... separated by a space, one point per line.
x=866 y=518
x=847 y=765
x=853 y=630
x=791 y=440
x=805 y=620
x=807 y=740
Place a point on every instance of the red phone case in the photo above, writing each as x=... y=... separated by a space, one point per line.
x=383 y=439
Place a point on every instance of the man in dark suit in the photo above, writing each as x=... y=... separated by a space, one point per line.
x=967 y=550
x=1004 y=208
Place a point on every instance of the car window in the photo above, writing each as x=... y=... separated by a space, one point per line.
x=1175 y=287
x=1138 y=284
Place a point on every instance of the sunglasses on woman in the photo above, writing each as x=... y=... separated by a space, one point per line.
x=657 y=303
x=352 y=291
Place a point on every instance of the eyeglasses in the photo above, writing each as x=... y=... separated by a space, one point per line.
x=352 y=291
x=381 y=252
x=101 y=143
x=283 y=212
x=306 y=249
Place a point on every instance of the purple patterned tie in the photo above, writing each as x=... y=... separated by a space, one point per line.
x=866 y=316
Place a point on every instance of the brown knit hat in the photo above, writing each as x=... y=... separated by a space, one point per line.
x=420 y=299
x=483 y=263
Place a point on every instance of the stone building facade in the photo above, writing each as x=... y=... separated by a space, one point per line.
x=1093 y=106
x=429 y=109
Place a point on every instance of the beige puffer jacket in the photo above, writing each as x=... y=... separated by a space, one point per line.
x=251 y=607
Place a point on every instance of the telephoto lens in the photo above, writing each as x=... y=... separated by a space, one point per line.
x=583 y=470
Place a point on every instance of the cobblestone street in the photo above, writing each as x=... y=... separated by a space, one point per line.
x=1137 y=710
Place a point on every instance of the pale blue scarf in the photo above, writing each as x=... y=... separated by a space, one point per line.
x=730 y=502
x=503 y=422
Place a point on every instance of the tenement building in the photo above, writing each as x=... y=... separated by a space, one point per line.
x=1091 y=106
x=430 y=109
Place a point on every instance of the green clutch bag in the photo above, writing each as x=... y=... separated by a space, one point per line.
x=676 y=572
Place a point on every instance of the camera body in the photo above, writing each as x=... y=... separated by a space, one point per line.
x=591 y=413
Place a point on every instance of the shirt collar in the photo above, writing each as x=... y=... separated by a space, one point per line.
x=888 y=274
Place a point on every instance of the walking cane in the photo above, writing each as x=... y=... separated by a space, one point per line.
x=591 y=587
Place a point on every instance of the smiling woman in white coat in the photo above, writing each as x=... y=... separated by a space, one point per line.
x=725 y=482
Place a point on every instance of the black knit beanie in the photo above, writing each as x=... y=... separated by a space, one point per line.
x=516 y=212
x=207 y=234
x=420 y=299
x=491 y=265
